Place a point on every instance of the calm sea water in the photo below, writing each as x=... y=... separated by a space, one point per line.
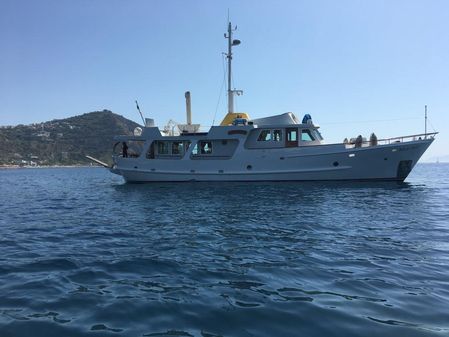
x=83 y=254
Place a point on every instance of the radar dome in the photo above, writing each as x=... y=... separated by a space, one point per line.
x=138 y=131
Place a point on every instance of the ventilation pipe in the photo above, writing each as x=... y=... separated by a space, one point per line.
x=188 y=108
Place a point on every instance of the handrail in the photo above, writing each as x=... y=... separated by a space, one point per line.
x=400 y=139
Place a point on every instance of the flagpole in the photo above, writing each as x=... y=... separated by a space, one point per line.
x=138 y=109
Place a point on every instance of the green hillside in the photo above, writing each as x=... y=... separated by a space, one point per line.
x=63 y=141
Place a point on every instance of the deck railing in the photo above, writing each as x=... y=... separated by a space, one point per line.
x=410 y=138
x=401 y=139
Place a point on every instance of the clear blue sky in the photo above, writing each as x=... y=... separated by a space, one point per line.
x=355 y=66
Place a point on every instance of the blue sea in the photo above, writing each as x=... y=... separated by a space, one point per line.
x=84 y=254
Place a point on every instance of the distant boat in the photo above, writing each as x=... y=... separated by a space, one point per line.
x=275 y=148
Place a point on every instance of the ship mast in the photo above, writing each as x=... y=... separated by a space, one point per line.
x=231 y=92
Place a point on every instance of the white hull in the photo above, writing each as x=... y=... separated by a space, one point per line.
x=311 y=163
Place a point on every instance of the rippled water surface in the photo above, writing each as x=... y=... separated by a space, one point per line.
x=83 y=254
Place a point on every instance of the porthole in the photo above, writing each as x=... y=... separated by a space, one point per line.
x=249 y=167
x=351 y=155
x=335 y=163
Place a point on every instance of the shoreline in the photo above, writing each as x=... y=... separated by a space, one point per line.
x=11 y=167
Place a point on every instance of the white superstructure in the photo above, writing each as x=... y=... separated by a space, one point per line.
x=275 y=148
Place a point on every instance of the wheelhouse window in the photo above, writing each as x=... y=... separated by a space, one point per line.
x=306 y=136
x=270 y=135
x=264 y=136
x=292 y=135
x=317 y=134
x=277 y=135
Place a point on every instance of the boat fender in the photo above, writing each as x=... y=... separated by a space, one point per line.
x=358 y=141
x=373 y=140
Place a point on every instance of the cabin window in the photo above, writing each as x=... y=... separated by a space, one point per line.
x=205 y=147
x=195 y=150
x=277 y=135
x=150 y=153
x=306 y=136
x=177 y=148
x=162 y=147
x=264 y=136
x=129 y=148
x=167 y=149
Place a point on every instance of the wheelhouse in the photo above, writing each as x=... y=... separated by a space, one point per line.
x=283 y=137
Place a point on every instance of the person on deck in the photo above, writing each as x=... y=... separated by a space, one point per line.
x=124 y=150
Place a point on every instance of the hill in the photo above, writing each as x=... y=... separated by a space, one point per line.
x=63 y=141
